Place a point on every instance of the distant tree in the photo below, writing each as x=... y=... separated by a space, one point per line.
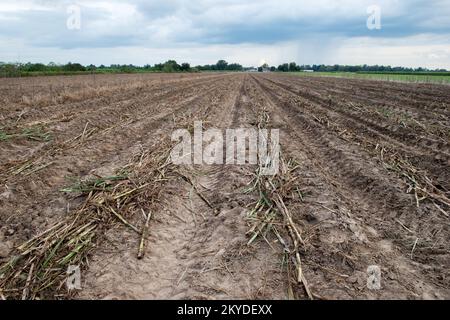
x=9 y=69
x=158 y=67
x=283 y=67
x=234 y=67
x=221 y=65
x=307 y=67
x=34 y=67
x=171 y=66
x=293 y=67
x=126 y=68
x=185 y=67
x=73 y=67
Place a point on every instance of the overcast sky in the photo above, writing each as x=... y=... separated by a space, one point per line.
x=413 y=32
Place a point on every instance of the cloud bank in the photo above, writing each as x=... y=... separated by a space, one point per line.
x=413 y=33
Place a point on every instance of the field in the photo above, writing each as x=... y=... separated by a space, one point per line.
x=437 y=77
x=85 y=179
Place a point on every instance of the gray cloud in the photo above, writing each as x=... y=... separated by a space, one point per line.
x=175 y=24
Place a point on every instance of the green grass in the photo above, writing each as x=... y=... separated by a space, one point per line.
x=36 y=133
x=439 y=77
x=94 y=184
x=4 y=136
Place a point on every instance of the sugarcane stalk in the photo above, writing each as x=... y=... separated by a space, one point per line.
x=141 y=251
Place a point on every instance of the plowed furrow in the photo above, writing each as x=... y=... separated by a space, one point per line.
x=433 y=161
x=374 y=199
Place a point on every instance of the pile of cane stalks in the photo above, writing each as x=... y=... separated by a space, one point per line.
x=270 y=214
x=38 y=269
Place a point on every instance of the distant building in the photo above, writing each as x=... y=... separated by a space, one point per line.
x=307 y=70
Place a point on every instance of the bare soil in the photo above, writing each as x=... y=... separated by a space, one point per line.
x=373 y=169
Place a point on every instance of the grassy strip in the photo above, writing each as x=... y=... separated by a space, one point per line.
x=439 y=78
x=95 y=184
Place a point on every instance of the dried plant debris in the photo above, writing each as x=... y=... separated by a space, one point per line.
x=38 y=268
x=271 y=215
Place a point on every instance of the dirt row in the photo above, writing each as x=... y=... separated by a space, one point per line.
x=372 y=204
x=32 y=197
x=417 y=145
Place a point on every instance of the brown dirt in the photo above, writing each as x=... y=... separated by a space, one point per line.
x=359 y=206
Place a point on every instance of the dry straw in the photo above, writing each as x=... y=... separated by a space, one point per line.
x=38 y=268
x=271 y=214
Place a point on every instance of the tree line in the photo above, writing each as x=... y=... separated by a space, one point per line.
x=293 y=67
x=24 y=69
x=16 y=69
